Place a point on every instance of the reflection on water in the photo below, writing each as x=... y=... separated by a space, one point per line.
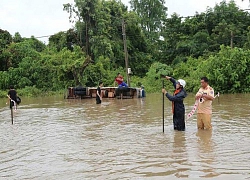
x=204 y=141
x=206 y=152
x=180 y=154
x=55 y=138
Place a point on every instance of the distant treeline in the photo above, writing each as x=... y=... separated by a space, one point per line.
x=214 y=43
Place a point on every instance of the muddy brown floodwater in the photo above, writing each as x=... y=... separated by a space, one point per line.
x=54 y=138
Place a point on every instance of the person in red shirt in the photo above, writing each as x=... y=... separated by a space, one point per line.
x=119 y=80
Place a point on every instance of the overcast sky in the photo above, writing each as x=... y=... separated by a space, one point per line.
x=46 y=17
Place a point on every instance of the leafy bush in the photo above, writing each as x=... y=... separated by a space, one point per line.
x=152 y=81
x=3 y=94
x=29 y=91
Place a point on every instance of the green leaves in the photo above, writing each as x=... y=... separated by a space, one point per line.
x=153 y=81
x=227 y=71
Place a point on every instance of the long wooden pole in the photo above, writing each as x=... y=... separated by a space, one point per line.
x=163 y=107
x=11 y=109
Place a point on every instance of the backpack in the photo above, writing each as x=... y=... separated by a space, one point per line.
x=18 y=100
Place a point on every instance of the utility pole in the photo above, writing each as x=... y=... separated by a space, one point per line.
x=125 y=50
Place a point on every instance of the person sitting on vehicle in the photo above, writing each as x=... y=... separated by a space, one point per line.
x=119 y=80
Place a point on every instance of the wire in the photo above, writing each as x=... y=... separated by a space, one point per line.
x=48 y=35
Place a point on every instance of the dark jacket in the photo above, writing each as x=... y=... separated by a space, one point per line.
x=179 y=107
x=98 y=100
x=13 y=94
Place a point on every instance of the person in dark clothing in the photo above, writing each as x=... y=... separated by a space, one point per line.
x=178 y=107
x=12 y=95
x=98 y=94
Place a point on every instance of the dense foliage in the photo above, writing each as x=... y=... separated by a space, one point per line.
x=214 y=43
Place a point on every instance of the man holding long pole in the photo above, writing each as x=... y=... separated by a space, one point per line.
x=12 y=95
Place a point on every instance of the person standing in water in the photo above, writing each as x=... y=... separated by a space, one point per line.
x=12 y=95
x=205 y=96
x=98 y=93
x=178 y=108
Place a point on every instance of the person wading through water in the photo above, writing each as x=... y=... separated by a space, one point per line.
x=98 y=94
x=12 y=95
x=178 y=108
x=205 y=95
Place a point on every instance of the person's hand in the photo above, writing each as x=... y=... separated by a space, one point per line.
x=198 y=97
x=167 y=77
x=164 y=91
x=204 y=96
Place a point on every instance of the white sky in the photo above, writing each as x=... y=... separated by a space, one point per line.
x=46 y=17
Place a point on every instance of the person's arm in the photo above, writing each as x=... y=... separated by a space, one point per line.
x=8 y=99
x=8 y=95
x=167 y=77
x=100 y=94
x=172 y=80
x=209 y=96
x=120 y=78
x=198 y=94
x=178 y=97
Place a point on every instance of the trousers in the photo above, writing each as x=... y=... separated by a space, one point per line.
x=204 y=121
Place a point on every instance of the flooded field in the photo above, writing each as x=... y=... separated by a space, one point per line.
x=54 y=138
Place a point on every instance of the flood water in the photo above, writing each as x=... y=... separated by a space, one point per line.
x=54 y=138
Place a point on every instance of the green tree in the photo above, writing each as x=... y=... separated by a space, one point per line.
x=172 y=35
x=5 y=38
x=229 y=70
x=18 y=51
x=17 y=37
x=153 y=80
x=63 y=39
x=152 y=14
x=5 y=41
x=84 y=11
